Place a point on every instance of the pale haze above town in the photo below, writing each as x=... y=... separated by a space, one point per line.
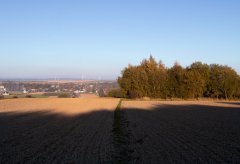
x=97 y=39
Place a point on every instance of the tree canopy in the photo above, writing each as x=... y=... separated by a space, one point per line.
x=152 y=79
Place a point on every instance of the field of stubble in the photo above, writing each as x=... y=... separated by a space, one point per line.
x=56 y=130
x=182 y=131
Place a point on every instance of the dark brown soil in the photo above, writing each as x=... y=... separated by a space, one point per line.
x=156 y=133
x=183 y=134
x=43 y=137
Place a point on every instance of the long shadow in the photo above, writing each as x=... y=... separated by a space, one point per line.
x=164 y=134
x=233 y=103
x=184 y=134
x=45 y=137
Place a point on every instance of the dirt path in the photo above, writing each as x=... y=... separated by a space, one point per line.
x=182 y=133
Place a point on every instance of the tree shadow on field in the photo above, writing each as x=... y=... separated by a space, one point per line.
x=46 y=137
x=163 y=134
x=184 y=134
x=233 y=103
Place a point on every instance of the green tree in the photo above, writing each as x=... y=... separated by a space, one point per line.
x=133 y=81
x=197 y=79
x=238 y=88
x=150 y=66
x=175 y=81
x=154 y=80
x=162 y=77
x=230 y=82
x=223 y=81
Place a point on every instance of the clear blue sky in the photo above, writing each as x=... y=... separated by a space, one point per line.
x=68 y=39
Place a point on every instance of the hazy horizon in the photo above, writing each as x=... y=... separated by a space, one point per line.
x=97 y=39
x=53 y=79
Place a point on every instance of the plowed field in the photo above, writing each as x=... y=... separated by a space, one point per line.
x=182 y=132
x=88 y=130
x=56 y=130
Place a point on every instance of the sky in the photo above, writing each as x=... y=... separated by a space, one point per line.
x=97 y=39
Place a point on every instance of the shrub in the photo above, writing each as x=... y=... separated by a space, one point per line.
x=75 y=95
x=64 y=95
x=51 y=94
x=102 y=93
x=28 y=96
x=1 y=97
x=117 y=93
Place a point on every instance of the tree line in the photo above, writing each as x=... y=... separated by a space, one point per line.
x=153 y=79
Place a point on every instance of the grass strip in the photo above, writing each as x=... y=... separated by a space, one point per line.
x=120 y=137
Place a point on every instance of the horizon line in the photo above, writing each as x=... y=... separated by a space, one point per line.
x=53 y=79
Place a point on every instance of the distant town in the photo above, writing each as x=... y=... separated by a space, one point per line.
x=15 y=88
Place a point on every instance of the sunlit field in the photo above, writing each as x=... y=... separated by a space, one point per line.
x=85 y=104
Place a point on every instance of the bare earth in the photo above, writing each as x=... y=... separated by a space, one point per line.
x=88 y=130
x=66 y=106
x=56 y=130
x=181 y=131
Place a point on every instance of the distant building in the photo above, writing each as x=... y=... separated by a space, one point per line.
x=2 y=88
x=33 y=90
x=5 y=93
x=77 y=91
x=82 y=90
